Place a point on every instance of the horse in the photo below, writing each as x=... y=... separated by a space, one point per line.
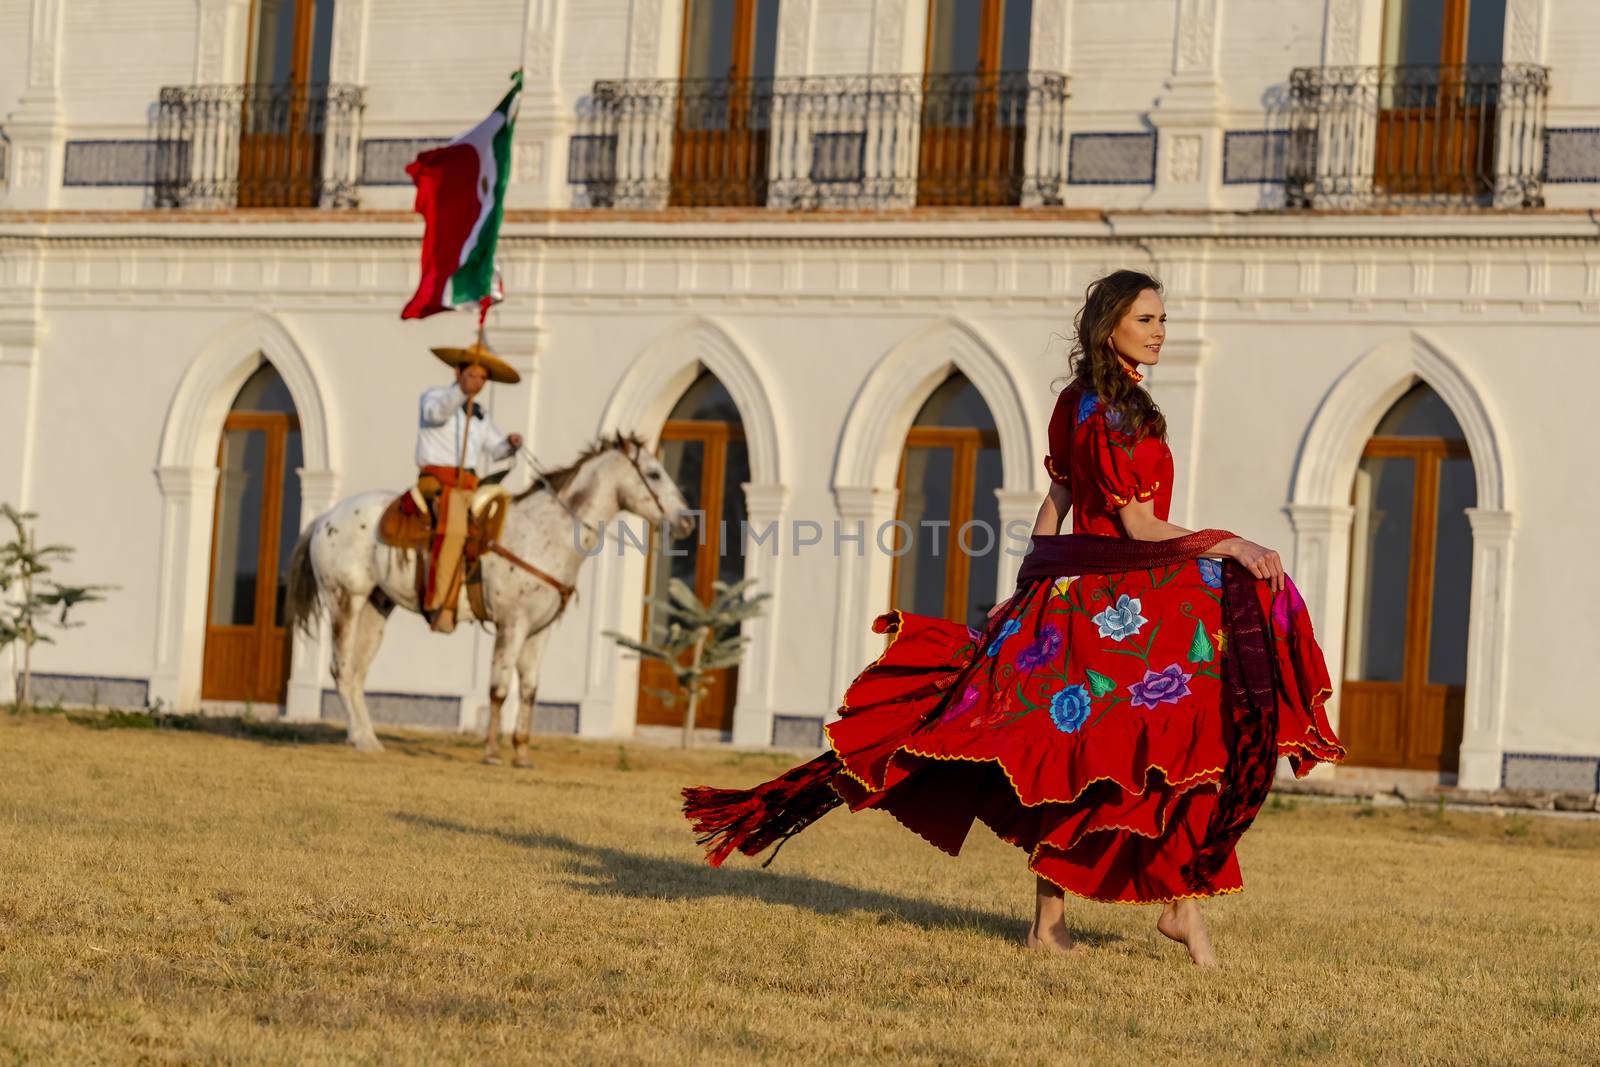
x=339 y=565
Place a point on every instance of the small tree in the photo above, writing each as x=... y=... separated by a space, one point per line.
x=700 y=638
x=29 y=600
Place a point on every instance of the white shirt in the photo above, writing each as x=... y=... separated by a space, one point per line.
x=439 y=431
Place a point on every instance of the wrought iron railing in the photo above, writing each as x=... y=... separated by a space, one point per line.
x=1416 y=136
x=869 y=141
x=257 y=145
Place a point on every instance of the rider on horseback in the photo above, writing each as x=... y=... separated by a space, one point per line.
x=455 y=434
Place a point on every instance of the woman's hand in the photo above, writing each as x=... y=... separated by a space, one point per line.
x=1264 y=563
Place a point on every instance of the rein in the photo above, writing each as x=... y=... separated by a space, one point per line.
x=566 y=592
x=541 y=480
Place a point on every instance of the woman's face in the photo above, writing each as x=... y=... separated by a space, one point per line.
x=1137 y=338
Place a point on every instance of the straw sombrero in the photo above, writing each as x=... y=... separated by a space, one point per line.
x=499 y=370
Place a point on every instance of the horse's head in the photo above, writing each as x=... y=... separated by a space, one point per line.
x=646 y=489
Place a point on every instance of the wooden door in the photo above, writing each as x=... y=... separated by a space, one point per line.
x=708 y=461
x=282 y=113
x=974 y=104
x=255 y=523
x=1404 y=691
x=1437 y=108
x=724 y=107
x=948 y=476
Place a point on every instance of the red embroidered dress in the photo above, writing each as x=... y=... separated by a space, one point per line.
x=1091 y=725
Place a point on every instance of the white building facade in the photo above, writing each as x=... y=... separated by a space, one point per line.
x=822 y=253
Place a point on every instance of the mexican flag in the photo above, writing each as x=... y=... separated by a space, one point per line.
x=461 y=193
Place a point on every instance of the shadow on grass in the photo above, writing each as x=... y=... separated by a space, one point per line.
x=616 y=872
x=239 y=727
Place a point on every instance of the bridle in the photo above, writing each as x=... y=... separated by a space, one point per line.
x=633 y=458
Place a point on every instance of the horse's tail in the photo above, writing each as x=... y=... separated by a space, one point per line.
x=304 y=604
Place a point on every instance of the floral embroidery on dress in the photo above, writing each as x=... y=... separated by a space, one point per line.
x=1122 y=620
x=1086 y=405
x=1210 y=572
x=1009 y=627
x=1061 y=586
x=1163 y=687
x=969 y=698
x=1287 y=602
x=1042 y=650
x=1069 y=708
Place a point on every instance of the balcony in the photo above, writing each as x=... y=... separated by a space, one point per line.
x=227 y=146
x=1416 y=137
x=872 y=142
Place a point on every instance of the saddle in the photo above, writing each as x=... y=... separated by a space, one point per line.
x=408 y=524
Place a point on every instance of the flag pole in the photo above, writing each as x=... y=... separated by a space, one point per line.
x=527 y=21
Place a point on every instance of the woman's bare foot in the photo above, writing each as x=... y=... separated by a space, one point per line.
x=1181 y=921
x=1050 y=939
x=1049 y=930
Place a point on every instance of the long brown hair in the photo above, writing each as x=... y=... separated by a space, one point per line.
x=1095 y=365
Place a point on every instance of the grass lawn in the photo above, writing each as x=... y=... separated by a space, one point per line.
x=187 y=897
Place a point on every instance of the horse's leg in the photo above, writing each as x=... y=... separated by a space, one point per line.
x=369 y=636
x=506 y=640
x=527 y=687
x=357 y=632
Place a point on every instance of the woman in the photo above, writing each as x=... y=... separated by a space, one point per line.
x=1121 y=717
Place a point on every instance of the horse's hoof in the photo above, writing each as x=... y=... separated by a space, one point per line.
x=492 y=761
x=523 y=762
x=366 y=744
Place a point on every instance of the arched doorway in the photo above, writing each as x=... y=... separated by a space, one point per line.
x=254 y=526
x=949 y=471
x=1409 y=591
x=703 y=449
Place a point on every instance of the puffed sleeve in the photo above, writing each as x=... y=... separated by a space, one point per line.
x=1124 y=471
x=1060 y=435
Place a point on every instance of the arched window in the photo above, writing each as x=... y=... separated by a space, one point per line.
x=703 y=449
x=255 y=524
x=949 y=472
x=1410 y=590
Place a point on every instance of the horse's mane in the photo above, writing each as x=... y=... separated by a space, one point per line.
x=556 y=479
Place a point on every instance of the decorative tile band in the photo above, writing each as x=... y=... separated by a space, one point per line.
x=108 y=163
x=400 y=709
x=90 y=691
x=384 y=159
x=1572 y=154
x=839 y=157
x=1112 y=159
x=555 y=718
x=1566 y=774
x=591 y=157
x=1254 y=157
x=796 y=731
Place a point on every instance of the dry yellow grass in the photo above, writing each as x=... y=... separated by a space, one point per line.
x=186 y=897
